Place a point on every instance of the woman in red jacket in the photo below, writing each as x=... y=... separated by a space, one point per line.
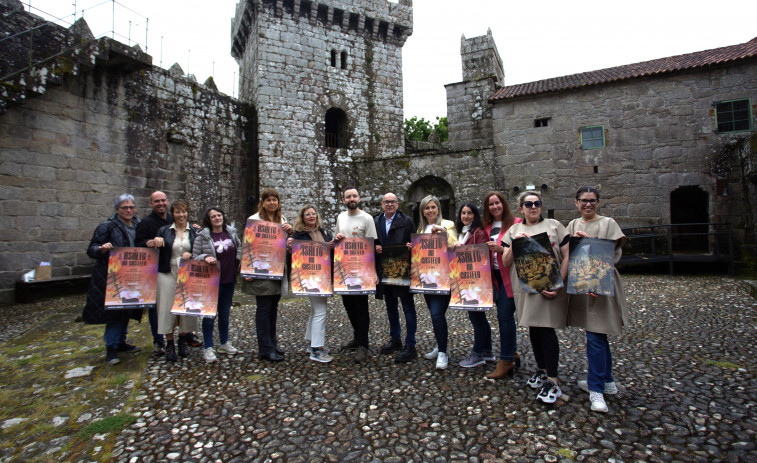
x=497 y=219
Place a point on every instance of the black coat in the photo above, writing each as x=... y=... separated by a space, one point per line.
x=305 y=236
x=148 y=227
x=169 y=236
x=111 y=231
x=399 y=233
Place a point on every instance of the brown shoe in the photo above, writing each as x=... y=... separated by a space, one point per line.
x=504 y=368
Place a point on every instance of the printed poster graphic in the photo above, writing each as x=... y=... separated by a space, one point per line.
x=196 y=289
x=535 y=264
x=395 y=265
x=264 y=250
x=132 y=280
x=471 y=278
x=354 y=266
x=311 y=268
x=429 y=263
x=591 y=266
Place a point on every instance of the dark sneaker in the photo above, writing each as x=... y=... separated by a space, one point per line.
x=537 y=380
x=394 y=345
x=472 y=360
x=158 y=349
x=351 y=345
x=193 y=340
x=489 y=356
x=111 y=356
x=407 y=354
x=128 y=348
x=549 y=392
x=361 y=353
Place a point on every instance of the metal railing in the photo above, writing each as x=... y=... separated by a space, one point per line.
x=678 y=243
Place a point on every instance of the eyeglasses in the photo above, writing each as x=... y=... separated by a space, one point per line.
x=530 y=204
x=389 y=202
x=126 y=207
x=588 y=201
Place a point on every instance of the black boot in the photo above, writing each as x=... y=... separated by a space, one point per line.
x=183 y=349
x=170 y=351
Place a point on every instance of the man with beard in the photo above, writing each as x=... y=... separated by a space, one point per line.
x=354 y=223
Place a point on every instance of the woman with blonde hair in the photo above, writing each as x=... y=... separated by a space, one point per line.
x=268 y=292
x=547 y=310
x=308 y=226
x=431 y=221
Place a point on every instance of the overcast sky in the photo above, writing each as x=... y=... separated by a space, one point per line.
x=536 y=39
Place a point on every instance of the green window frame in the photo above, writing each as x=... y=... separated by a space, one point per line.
x=592 y=137
x=734 y=115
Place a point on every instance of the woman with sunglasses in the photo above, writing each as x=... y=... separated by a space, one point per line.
x=541 y=312
x=598 y=315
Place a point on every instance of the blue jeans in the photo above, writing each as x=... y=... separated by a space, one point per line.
x=115 y=334
x=506 y=317
x=482 y=332
x=391 y=294
x=437 y=306
x=600 y=361
x=152 y=316
x=225 y=295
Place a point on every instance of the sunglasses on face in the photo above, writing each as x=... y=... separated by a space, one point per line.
x=530 y=204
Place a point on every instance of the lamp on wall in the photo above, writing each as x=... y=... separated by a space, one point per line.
x=516 y=189
x=544 y=186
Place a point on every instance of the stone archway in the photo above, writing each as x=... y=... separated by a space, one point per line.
x=688 y=205
x=430 y=185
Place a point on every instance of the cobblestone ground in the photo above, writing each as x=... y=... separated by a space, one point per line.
x=686 y=367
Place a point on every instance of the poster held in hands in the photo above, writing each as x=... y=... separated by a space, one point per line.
x=311 y=268
x=471 y=278
x=132 y=280
x=263 y=250
x=429 y=263
x=355 y=266
x=395 y=265
x=535 y=264
x=196 y=289
x=591 y=266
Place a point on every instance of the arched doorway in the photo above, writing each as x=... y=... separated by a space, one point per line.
x=690 y=205
x=336 y=129
x=431 y=185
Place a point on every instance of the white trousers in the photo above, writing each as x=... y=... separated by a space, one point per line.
x=316 y=330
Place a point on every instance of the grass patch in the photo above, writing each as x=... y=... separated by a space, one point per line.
x=566 y=453
x=27 y=361
x=253 y=378
x=111 y=424
x=723 y=364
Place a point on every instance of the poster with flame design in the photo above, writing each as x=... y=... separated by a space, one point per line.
x=355 y=266
x=429 y=263
x=311 y=268
x=264 y=250
x=132 y=280
x=196 y=289
x=471 y=278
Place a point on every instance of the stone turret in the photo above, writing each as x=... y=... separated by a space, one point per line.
x=325 y=78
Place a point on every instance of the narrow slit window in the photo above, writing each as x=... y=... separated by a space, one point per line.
x=333 y=58
x=541 y=122
x=344 y=60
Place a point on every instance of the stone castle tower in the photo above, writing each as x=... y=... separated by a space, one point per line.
x=324 y=79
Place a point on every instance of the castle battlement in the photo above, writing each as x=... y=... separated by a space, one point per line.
x=377 y=19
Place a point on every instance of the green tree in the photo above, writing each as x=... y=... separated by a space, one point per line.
x=419 y=129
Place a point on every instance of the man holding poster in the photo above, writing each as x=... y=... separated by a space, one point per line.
x=395 y=228
x=354 y=223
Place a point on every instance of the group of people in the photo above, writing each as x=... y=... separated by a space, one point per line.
x=216 y=242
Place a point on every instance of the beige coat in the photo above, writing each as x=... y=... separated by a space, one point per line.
x=601 y=314
x=535 y=309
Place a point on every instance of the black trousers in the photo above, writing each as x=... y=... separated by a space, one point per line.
x=357 y=311
x=265 y=323
x=546 y=348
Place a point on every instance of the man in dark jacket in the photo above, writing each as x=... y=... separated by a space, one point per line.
x=394 y=227
x=146 y=231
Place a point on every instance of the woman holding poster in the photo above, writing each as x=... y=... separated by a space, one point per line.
x=497 y=221
x=598 y=315
x=470 y=231
x=542 y=312
x=432 y=222
x=268 y=292
x=118 y=231
x=308 y=227
x=218 y=243
x=175 y=242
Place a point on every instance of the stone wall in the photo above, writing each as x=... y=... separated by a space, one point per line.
x=120 y=125
x=285 y=55
x=660 y=135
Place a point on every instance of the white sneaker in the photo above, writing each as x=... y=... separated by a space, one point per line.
x=442 y=360
x=597 y=402
x=610 y=388
x=209 y=355
x=227 y=349
x=433 y=354
x=549 y=392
